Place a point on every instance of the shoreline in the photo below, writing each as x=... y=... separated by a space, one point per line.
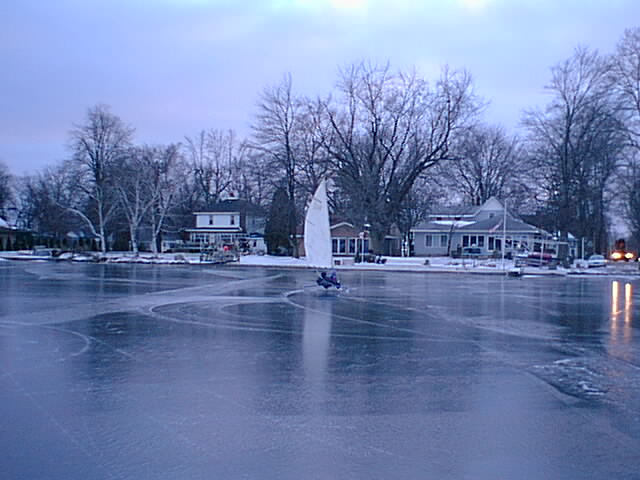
x=392 y=264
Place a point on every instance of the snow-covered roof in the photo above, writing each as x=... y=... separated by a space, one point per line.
x=235 y=205
x=455 y=223
x=3 y=223
x=490 y=225
x=496 y=223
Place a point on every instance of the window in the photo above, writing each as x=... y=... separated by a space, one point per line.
x=473 y=240
x=491 y=243
x=481 y=240
x=199 y=238
x=465 y=241
x=342 y=245
x=334 y=245
x=428 y=241
x=444 y=240
x=210 y=219
x=352 y=245
x=232 y=220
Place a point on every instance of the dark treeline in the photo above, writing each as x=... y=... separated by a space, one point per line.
x=392 y=143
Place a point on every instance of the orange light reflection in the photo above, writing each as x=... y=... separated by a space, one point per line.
x=626 y=311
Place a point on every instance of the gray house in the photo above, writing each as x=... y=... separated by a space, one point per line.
x=448 y=230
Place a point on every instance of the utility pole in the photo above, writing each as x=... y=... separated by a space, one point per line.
x=504 y=231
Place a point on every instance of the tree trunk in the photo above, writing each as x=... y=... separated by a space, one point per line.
x=154 y=238
x=133 y=236
x=103 y=243
x=377 y=241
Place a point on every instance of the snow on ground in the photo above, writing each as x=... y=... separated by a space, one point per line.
x=270 y=260
x=411 y=264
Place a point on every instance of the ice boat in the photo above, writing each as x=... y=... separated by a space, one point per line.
x=317 y=237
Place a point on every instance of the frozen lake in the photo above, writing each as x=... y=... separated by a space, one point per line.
x=183 y=372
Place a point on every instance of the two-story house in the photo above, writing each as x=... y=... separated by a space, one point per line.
x=231 y=221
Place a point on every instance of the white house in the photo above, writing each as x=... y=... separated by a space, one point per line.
x=232 y=221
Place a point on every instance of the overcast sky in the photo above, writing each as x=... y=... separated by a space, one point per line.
x=170 y=68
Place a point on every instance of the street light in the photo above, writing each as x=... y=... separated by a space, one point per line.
x=364 y=235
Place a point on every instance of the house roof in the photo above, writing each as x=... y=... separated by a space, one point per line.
x=489 y=225
x=233 y=205
x=495 y=224
x=214 y=230
x=491 y=204
x=434 y=226
x=78 y=234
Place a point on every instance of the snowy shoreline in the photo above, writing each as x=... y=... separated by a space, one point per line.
x=392 y=264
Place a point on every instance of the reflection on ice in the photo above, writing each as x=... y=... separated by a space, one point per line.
x=621 y=312
x=316 y=339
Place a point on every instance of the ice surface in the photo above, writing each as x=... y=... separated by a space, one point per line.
x=170 y=371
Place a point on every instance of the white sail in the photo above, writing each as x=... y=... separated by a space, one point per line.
x=317 y=233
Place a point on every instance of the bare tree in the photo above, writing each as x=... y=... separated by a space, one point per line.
x=489 y=163
x=40 y=202
x=631 y=191
x=135 y=190
x=166 y=174
x=625 y=73
x=417 y=205
x=97 y=146
x=311 y=134
x=250 y=177
x=274 y=137
x=6 y=191
x=388 y=129
x=577 y=143
x=147 y=189
x=211 y=154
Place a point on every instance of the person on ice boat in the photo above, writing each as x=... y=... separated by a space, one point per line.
x=328 y=281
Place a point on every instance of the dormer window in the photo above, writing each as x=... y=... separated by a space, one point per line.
x=210 y=219
x=233 y=220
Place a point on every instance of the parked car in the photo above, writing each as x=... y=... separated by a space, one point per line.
x=595 y=261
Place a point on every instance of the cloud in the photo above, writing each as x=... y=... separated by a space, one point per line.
x=172 y=67
x=316 y=5
x=474 y=5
